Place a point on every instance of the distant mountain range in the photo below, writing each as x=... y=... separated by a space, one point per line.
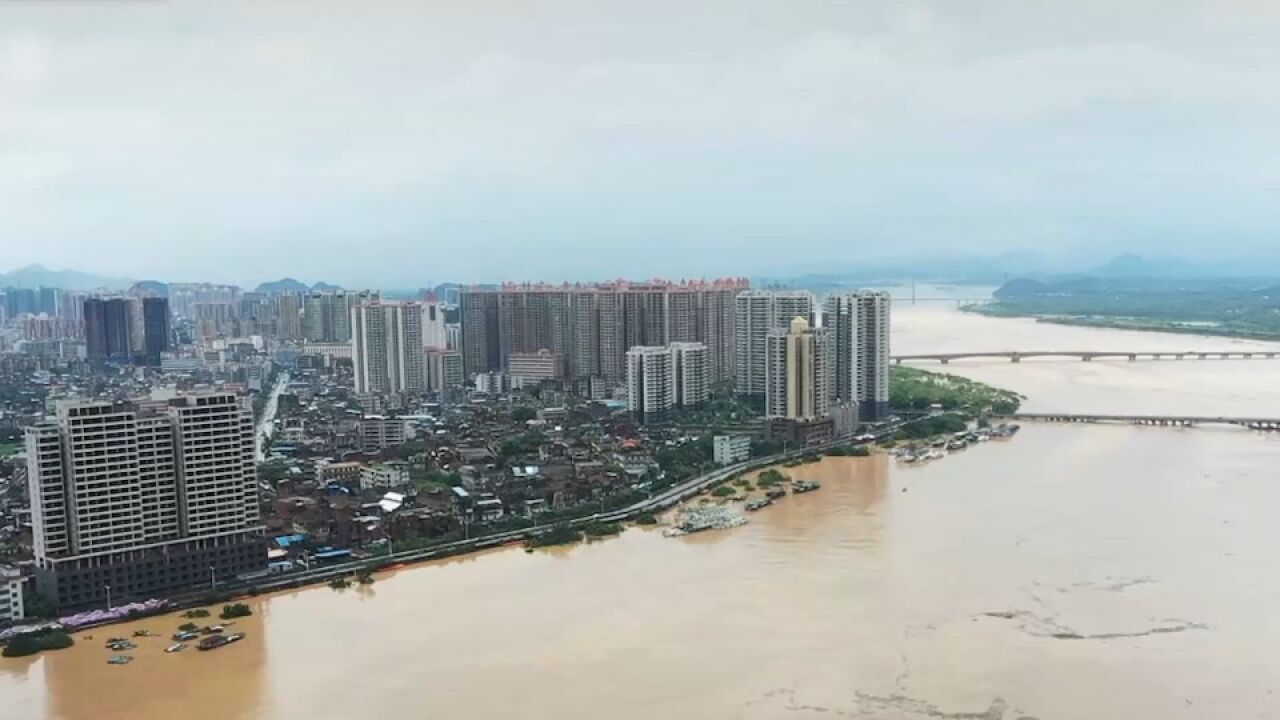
x=290 y=285
x=35 y=276
x=1007 y=267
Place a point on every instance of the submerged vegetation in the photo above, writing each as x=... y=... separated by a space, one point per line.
x=235 y=610
x=602 y=529
x=849 y=451
x=771 y=478
x=560 y=534
x=32 y=643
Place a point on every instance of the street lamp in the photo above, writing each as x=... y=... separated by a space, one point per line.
x=108 y=587
x=213 y=585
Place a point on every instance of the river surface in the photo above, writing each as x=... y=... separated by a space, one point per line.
x=1071 y=573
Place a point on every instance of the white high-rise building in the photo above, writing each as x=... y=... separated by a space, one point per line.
x=663 y=377
x=798 y=374
x=435 y=331
x=132 y=501
x=756 y=314
x=386 y=348
x=651 y=386
x=691 y=369
x=859 y=327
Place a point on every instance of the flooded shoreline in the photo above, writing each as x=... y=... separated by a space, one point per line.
x=1074 y=572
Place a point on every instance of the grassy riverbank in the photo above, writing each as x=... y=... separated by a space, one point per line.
x=1140 y=324
x=915 y=389
x=1245 y=308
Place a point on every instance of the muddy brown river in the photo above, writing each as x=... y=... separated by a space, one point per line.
x=1072 y=573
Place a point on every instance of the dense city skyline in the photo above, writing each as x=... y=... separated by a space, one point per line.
x=553 y=141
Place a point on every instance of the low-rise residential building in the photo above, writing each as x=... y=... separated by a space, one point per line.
x=379 y=433
x=534 y=367
x=343 y=473
x=729 y=449
x=10 y=594
x=390 y=474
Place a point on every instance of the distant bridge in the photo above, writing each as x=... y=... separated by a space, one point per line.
x=1253 y=423
x=1090 y=355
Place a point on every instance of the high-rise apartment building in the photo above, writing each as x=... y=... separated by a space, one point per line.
x=386 y=348
x=859 y=326
x=651 y=385
x=661 y=378
x=327 y=315
x=444 y=370
x=691 y=372
x=756 y=314
x=108 y=329
x=132 y=501
x=593 y=326
x=155 y=328
x=288 y=314
x=798 y=372
x=435 y=332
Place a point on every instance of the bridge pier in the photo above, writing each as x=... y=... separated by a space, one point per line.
x=946 y=361
x=1086 y=358
x=1132 y=357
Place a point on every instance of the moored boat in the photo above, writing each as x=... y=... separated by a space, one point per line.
x=216 y=641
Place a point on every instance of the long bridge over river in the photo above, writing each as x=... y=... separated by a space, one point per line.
x=1253 y=423
x=1091 y=355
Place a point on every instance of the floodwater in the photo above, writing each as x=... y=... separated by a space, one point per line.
x=1074 y=572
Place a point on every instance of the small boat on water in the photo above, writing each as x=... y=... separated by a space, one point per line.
x=185 y=636
x=804 y=486
x=216 y=641
x=119 y=659
x=775 y=493
x=142 y=633
x=758 y=504
x=176 y=647
x=212 y=630
x=119 y=644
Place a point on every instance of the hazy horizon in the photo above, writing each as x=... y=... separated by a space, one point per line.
x=422 y=143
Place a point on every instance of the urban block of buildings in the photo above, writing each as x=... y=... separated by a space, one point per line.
x=139 y=500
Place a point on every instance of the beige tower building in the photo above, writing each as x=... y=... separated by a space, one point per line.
x=798 y=372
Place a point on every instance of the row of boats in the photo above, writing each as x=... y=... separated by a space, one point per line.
x=772 y=495
x=939 y=448
x=211 y=638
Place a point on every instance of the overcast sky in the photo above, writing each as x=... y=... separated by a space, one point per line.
x=400 y=143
